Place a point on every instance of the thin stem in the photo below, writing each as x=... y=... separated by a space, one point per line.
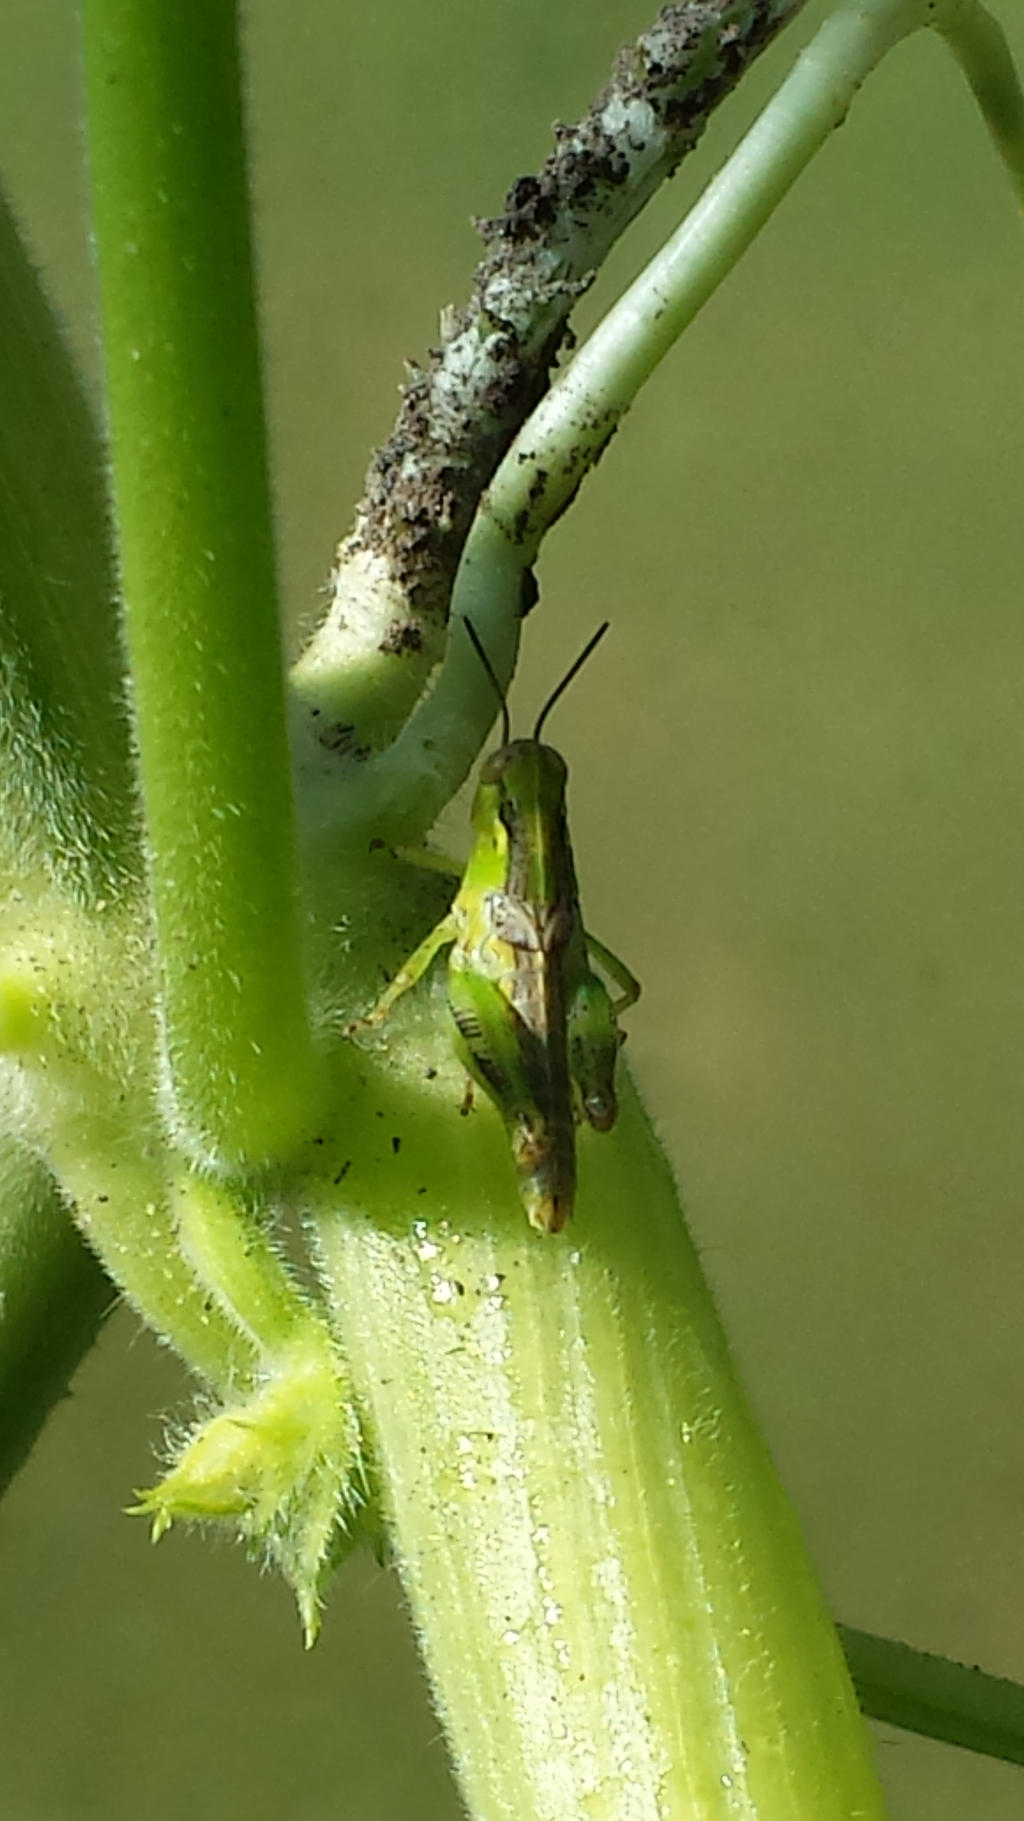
x=197 y=563
x=935 y=1697
x=122 y=1205
x=979 y=45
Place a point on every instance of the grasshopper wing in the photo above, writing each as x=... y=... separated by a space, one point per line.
x=513 y=1067
x=494 y=1043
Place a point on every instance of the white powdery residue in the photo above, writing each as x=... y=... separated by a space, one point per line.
x=443 y=1290
x=365 y=599
x=640 y=1764
x=586 y=1767
x=631 y=121
x=490 y=1330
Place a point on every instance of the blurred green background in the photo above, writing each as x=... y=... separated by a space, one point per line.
x=798 y=781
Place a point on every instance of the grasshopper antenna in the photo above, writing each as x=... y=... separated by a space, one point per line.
x=573 y=670
x=506 y=725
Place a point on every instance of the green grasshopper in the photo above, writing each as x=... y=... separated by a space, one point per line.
x=535 y=1026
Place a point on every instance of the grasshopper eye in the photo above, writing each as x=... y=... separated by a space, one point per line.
x=601 y=1111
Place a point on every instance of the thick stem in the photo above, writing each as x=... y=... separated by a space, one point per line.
x=611 y=1592
x=194 y=529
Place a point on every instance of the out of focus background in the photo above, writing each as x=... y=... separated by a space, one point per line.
x=797 y=796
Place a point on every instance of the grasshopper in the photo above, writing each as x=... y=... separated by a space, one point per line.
x=535 y=1026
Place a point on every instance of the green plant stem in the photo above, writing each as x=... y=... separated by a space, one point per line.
x=373 y=652
x=67 y=788
x=571 y=427
x=54 y=1299
x=121 y=1203
x=400 y=793
x=979 y=45
x=612 y=1596
x=197 y=568
x=935 y=1697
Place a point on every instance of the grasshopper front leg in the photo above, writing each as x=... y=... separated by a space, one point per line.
x=407 y=975
x=617 y=972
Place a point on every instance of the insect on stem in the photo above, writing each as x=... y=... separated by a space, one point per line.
x=533 y=1022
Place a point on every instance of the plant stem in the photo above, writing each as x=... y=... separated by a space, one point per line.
x=935 y=1697
x=53 y=1301
x=612 y=1596
x=569 y=430
x=68 y=782
x=118 y=1184
x=979 y=45
x=197 y=565
x=374 y=650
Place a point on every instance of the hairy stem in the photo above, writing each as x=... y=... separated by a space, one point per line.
x=197 y=565
x=67 y=785
x=611 y=1592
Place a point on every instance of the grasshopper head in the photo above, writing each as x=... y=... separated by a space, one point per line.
x=522 y=785
x=526 y=771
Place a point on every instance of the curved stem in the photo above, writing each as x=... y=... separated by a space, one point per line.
x=979 y=45
x=197 y=563
x=372 y=654
x=571 y=427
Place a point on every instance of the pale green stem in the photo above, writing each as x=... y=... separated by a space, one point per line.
x=122 y=1205
x=197 y=567
x=231 y=1252
x=398 y=794
x=570 y=428
x=615 y=1606
x=67 y=784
